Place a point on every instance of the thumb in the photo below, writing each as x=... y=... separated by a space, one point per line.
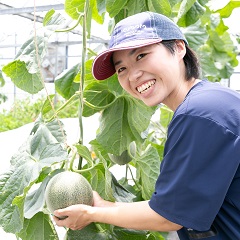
x=60 y=214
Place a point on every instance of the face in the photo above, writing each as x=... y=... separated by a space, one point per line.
x=151 y=73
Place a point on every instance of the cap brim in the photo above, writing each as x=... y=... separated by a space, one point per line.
x=103 y=67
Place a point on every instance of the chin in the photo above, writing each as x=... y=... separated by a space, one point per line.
x=151 y=104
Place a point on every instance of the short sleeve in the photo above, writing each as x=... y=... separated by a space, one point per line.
x=198 y=167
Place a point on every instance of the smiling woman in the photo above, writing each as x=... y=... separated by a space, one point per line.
x=189 y=197
x=153 y=83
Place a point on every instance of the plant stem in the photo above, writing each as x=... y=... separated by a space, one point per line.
x=130 y=170
x=81 y=86
x=97 y=107
x=71 y=28
x=72 y=159
x=63 y=106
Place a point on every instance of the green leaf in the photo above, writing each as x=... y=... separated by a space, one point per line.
x=148 y=169
x=98 y=95
x=47 y=106
x=10 y=219
x=48 y=16
x=75 y=7
x=162 y=7
x=120 y=193
x=122 y=123
x=64 y=83
x=227 y=10
x=108 y=179
x=101 y=6
x=89 y=232
x=189 y=12
x=52 y=20
x=96 y=147
x=51 y=130
x=35 y=200
x=185 y=7
x=39 y=151
x=22 y=78
x=39 y=227
x=196 y=36
x=24 y=71
x=113 y=7
x=165 y=116
x=129 y=234
x=207 y=63
x=133 y=7
x=2 y=81
x=84 y=152
x=158 y=235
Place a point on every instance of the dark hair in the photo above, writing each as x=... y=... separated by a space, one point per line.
x=190 y=59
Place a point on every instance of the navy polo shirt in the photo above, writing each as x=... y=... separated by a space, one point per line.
x=199 y=183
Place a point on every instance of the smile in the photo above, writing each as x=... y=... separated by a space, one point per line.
x=146 y=86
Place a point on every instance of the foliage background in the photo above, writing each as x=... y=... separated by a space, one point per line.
x=123 y=119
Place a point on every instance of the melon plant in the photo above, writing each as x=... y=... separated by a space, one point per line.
x=126 y=156
x=122 y=119
x=66 y=189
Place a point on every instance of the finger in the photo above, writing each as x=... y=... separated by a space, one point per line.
x=59 y=222
x=61 y=214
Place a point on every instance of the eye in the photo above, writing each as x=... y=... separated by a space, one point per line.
x=119 y=70
x=141 y=56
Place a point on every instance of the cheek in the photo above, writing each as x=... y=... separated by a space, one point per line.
x=124 y=84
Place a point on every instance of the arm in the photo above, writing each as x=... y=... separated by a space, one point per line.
x=136 y=215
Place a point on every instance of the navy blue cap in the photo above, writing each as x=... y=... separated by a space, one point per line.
x=139 y=30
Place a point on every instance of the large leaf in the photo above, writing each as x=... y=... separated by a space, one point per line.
x=120 y=193
x=129 y=234
x=22 y=78
x=41 y=150
x=34 y=201
x=76 y=7
x=24 y=71
x=189 y=12
x=122 y=123
x=89 y=232
x=113 y=7
x=227 y=10
x=54 y=130
x=148 y=169
x=64 y=83
x=136 y=6
x=162 y=7
x=99 y=96
x=40 y=227
x=196 y=36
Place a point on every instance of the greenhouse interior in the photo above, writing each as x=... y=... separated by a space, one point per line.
x=24 y=18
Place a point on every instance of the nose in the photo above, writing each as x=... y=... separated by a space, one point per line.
x=134 y=74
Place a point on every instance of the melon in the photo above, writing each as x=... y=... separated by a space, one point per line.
x=126 y=156
x=66 y=189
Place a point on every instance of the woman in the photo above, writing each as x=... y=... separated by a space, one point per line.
x=197 y=192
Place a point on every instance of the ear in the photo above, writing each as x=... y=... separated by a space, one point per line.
x=180 y=48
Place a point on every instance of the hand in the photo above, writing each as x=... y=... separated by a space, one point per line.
x=78 y=216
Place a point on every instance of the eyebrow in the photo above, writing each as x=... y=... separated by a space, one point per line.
x=129 y=54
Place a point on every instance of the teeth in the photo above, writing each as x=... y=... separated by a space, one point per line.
x=145 y=86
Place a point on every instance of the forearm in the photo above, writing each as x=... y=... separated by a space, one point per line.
x=136 y=215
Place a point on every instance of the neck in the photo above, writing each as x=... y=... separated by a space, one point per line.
x=179 y=95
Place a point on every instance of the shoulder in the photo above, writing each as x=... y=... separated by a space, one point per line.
x=206 y=96
x=211 y=101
